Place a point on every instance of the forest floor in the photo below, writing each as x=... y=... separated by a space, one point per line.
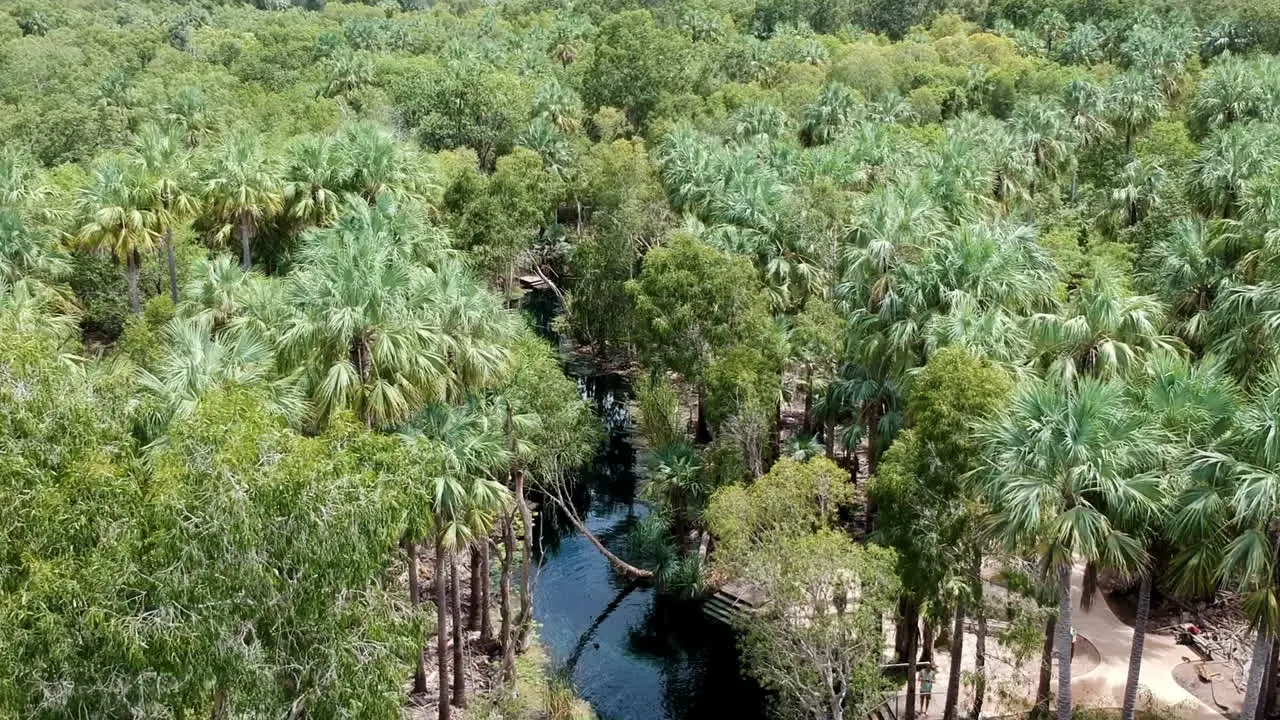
x=1099 y=670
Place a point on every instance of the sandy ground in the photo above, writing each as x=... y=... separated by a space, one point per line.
x=1098 y=679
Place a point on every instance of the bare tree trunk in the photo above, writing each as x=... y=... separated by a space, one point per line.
x=618 y=563
x=808 y=399
x=702 y=431
x=1257 y=672
x=1135 y=650
x=1064 y=641
x=246 y=251
x=459 y=647
x=132 y=267
x=926 y=645
x=474 y=601
x=1041 y=709
x=486 y=626
x=912 y=627
x=1268 y=676
x=171 y=259
x=221 y=701
x=957 y=656
x=506 y=634
x=415 y=601
x=526 y=565
x=979 y=662
x=442 y=629
x=829 y=436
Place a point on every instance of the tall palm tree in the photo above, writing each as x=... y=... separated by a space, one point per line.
x=376 y=163
x=1228 y=159
x=196 y=361
x=241 y=190
x=1135 y=102
x=1065 y=469
x=118 y=219
x=1085 y=104
x=465 y=502
x=358 y=335
x=1139 y=188
x=170 y=182
x=1189 y=405
x=29 y=260
x=1186 y=270
x=1233 y=90
x=1044 y=128
x=1243 y=467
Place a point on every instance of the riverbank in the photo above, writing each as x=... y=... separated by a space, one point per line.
x=539 y=694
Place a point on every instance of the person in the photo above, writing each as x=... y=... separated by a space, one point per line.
x=927 y=675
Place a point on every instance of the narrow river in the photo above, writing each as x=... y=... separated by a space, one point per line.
x=630 y=653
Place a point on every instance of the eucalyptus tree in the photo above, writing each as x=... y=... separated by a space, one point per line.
x=170 y=186
x=1065 y=470
x=241 y=190
x=117 y=218
x=1134 y=102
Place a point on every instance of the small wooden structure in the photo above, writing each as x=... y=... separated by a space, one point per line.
x=733 y=601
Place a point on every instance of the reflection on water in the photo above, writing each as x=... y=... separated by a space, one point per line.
x=632 y=655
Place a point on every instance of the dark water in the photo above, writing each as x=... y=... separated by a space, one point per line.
x=631 y=654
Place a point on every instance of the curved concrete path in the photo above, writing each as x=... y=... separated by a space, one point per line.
x=1100 y=686
x=1103 y=686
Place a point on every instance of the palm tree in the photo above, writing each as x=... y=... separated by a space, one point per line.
x=1184 y=268
x=1085 y=104
x=1228 y=160
x=241 y=190
x=348 y=72
x=376 y=163
x=196 y=362
x=1135 y=102
x=1103 y=331
x=1065 y=477
x=1232 y=91
x=314 y=177
x=559 y=106
x=359 y=334
x=1243 y=467
x=31 y=262
x=1189 y=405
x=834 y=112
x=1138 y=190
x=465 y=501
x=118 y=219
x=166 y=167
x=1044 y=127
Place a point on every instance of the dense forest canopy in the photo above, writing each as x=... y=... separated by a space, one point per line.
x=906 y=291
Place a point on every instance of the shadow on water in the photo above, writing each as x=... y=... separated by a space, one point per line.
x=630 y=653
